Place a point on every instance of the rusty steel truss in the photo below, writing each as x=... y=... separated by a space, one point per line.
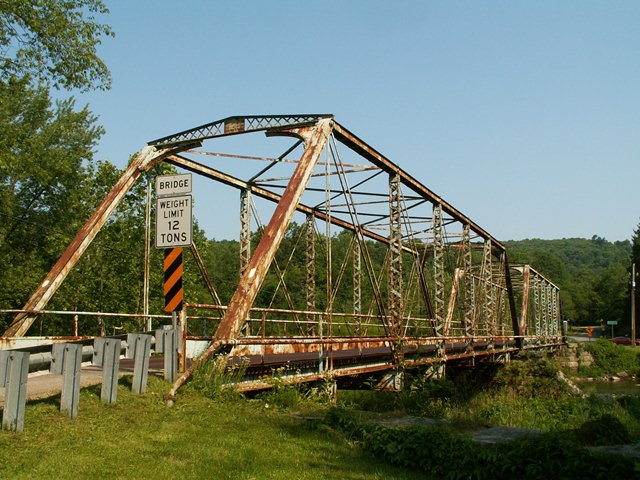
x=415 y=281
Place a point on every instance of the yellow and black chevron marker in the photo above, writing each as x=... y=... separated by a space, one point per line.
x=173 y=279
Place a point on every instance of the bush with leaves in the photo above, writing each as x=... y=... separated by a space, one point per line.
x=442 y=454
x=611 y=359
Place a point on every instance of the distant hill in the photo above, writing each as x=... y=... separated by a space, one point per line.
x=574 y=253
x=592 y=274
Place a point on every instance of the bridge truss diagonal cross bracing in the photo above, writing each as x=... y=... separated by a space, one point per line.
x=346 y=263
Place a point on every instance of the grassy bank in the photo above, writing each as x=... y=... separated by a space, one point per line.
x=212 y=432
x=524 y=394
x=140 y=437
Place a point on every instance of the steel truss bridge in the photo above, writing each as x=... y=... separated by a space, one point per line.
x=393 y=274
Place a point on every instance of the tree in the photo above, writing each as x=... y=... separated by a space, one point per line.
x=45 y=159
x=53 y=42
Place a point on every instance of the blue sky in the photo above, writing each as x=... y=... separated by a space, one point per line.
x=523 y=115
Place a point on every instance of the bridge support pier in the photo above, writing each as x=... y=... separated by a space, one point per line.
x=435 y=372
x=391 y=382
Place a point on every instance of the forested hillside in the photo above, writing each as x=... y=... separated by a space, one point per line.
x=593 y=275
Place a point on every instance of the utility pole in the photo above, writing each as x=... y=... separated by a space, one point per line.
x=633 y=304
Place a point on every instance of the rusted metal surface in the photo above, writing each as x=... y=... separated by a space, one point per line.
x=237 y=125
x=395 y=292
x=245 y=229
x=431 y=247
x=242 y=299
x=12 y=343
x=446 y=330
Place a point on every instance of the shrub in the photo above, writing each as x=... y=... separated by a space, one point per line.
x=604 y=430
x=610 y=359
x=442 y=454
x=214 y=379
x=532 y=377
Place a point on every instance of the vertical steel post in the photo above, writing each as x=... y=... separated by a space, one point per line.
x=310 y=268
x=147 y=259
x=554 y=310
x=357 y=285
x=245 y=229
x=543 y=307
x=448 y=329
x=537 y=301
x=438 y=266
x=395 y=259
x=633 y=304
x=501 y=296
x=469 y=294
x=524 y=312
x=550 y=317
x=488 y=288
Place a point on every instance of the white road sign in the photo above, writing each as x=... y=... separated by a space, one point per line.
x=173 y=184
x=174 y=224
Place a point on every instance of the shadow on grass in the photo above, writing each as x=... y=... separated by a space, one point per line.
x=327 y=442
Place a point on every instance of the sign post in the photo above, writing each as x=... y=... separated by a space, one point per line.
x=612 y=323
x=174 y=230
x=174 y=222
x=633 y=304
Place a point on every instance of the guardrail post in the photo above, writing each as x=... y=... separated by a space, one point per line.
x=110 y=368
x=166 y=342
x=66 y=358
x=139 y=348
x=14 y=369
x=98 y=352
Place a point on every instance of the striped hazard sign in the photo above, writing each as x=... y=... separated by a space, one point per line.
x=173 y=279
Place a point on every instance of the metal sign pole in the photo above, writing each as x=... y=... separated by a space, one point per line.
x=633 y=304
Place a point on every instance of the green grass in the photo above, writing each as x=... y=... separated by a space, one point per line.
x=524 y=394
x=140 y=437
x=610 y=359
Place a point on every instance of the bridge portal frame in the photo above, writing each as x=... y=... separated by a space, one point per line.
x=315 y=132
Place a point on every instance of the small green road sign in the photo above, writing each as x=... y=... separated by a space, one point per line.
x=612 y=322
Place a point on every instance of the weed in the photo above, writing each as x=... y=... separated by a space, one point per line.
x=215 y=378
